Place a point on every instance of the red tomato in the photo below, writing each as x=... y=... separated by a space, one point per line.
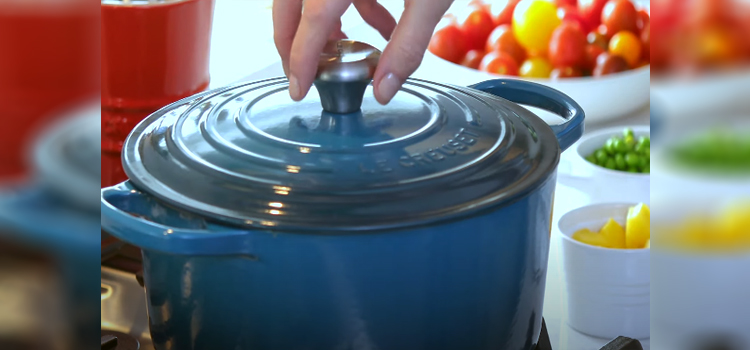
x=592 y=53
x=599 y=39
x=609 y=64
x=502 y=11
x=499 y=63
x=503 y=40
x=567 y=48
x=602 y=30
x=642 y=19
x=476 y=24
x=619 y=15
x=561 y=3
x=448 y=44
x=571 y=14
x=566 y=72
x=472 y=59
x=591 y=10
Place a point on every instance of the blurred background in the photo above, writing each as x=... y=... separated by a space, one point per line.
x=67 y=67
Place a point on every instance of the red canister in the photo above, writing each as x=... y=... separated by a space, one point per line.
x=154 y=52
x=49 y=61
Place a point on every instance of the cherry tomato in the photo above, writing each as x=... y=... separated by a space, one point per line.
x=503 y=40
x=567 y=48
x=565 y=72
x=502 y=11
x=472 y=59
x=570 y=14
x=592 y=53
x=561 y=3
x=591 y=10
x=476 y=24
x=499 y=63
x=448 y=44
x=533 y=24
x=536 y=68
x=642 y=20
x=599 y=39
x=619 y=15
x=626 y=45
x=609 y=64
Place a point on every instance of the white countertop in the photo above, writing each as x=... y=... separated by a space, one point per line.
x=242 y=49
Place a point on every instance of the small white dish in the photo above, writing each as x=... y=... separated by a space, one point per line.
x=697 y=296
x=608 y=289
x=600 y=184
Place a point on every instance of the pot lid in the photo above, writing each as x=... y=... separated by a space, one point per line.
x=248 y=155
x=67 y=156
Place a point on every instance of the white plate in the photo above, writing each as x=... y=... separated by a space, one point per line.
x=702 y=97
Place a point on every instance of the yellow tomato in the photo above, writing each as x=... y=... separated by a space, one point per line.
x=614 y=234
x=591 y=238
x=533 y=24
x=638 y=227
x=536 y=68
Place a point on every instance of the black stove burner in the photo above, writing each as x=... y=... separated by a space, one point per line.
x=619 y=343
x=112 y=340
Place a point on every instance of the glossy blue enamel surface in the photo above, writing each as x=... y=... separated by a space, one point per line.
x=470 y=284
x=248 y=156
x=472 y=281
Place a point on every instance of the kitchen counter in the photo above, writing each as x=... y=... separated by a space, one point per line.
x=242 y=47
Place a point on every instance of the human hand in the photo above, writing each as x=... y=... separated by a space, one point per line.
x=301 y=35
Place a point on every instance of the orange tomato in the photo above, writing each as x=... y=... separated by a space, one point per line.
x=499 y=63
x=619 y=15
x=503 y=40
x=626 y=45
x=472 y=59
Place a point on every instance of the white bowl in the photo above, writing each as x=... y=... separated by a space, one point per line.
x=670 y=180
x=683 y=100
x=602 y=98
x=598 y=183
x=695 y=295
x=608 y=289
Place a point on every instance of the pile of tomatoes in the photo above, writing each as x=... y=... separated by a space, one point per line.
x=700 y=35
x=546 y=38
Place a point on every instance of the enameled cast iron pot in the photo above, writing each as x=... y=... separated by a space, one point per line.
x=420 y=225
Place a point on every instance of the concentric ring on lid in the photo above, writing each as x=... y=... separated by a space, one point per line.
x=248 y=155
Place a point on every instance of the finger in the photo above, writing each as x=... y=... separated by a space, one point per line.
x=337 y=34
x=319 y=20
x=376 y=16
x=403 y=54
x=286 y=16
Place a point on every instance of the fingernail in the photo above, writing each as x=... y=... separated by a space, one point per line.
x=293 y=88
x=388 y=87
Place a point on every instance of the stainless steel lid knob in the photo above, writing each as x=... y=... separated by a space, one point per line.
x=345 y=69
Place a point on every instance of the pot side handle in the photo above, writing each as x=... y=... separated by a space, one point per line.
x=544 y=97
x=141 y=220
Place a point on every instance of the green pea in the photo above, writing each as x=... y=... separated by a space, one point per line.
x=645 y=140
x=632 y=159
x=591 y=159
x=610 y=164
x=640 y=148
x=628 y=132
x=609 y=146
x=601 y=157
x=633 y=169
x=647 y=153
x=620 y=162
x=643 y=162
x=619 y=145
x=646 y=169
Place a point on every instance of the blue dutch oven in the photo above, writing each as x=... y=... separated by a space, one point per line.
x=267 y=224
x=56 y=213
